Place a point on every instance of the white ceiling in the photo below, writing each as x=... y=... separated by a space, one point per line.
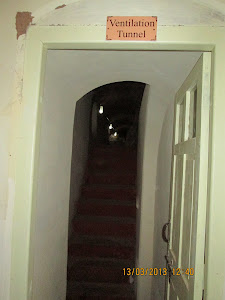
x=73 y=73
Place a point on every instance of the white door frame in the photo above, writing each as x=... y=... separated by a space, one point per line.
x=173 y=38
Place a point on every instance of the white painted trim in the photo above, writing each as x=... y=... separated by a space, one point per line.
x=176 y=38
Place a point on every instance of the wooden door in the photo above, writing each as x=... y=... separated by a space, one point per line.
x=185 y=258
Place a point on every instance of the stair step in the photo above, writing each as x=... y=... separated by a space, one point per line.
x=100 y=208
x=83 y=297
x=99 y=291
x=82 y=250
x=105 y=226
x=113 y=156
x=116 y=150
x=106 y=219
x=111 y=178
x=103 y=240
x=99 y=270
x=109 y=192
x=117 y=165
x=108 y=201
x=107 y=262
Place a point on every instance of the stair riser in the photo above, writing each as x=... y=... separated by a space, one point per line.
x=116 y=150
x=117 y=166
x=77 y=296
x=104 y=229
x=113 y=155
x=102 y=251
x=106 y=210
x=98 y=274
x=103 y=292
x=104 y=193
x=111 y=179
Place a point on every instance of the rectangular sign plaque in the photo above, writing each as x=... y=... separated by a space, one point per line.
x=131 y=28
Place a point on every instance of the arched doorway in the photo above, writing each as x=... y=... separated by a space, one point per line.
x=102 y=222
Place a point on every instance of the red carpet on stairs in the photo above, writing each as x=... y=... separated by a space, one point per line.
x=104 y=228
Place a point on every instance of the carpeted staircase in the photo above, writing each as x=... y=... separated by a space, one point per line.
x=103 y=243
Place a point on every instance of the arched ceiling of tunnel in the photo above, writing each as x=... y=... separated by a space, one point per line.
x=164 y=71
x=75 y=73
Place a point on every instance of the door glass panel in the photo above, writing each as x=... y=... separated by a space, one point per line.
x=181 y=121
x=193 y=113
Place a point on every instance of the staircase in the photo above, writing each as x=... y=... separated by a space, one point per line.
x=103 y=243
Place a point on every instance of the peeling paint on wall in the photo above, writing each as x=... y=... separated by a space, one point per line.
x=23 y=20
x=61 y=6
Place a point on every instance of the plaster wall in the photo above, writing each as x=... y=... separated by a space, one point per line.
x=162 y=195
x=150 y=124
x=197 y=12
x=56 y=170
x=65 y=118
x=51 y=214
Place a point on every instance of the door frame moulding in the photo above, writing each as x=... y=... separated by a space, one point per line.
x=39 y=40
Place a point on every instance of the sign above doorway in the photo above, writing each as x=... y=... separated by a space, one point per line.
x=131 y=28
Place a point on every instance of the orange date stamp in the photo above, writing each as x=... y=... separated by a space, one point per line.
x=145 y=271
x=157 y=271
